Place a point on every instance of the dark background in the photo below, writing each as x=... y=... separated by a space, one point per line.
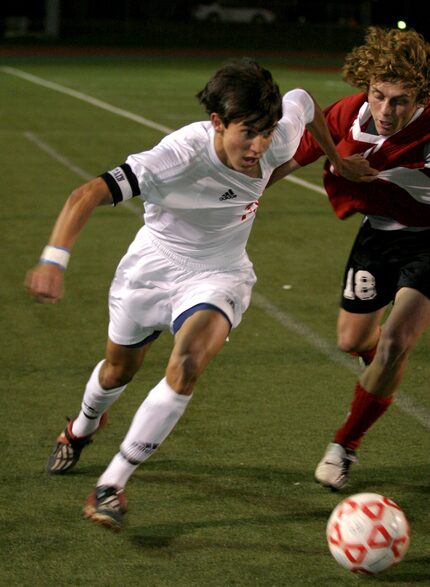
x=301 y=25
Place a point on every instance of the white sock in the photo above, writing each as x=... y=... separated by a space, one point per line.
x=152 y=423
x=95 y=402
x=118 y=472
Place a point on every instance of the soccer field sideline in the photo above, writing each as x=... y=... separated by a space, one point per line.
x=408 y=405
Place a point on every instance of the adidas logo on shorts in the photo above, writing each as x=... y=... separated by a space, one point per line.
x=230 y=302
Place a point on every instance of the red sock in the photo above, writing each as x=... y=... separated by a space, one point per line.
x=367 y=356
x=365 y=409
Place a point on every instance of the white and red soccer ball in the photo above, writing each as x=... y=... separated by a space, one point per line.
x=368 y=533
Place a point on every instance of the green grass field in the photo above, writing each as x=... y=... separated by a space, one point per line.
x=229 y=499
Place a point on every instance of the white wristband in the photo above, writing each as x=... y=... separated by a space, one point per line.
x=55 y=256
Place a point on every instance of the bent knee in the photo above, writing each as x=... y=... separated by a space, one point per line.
x=183 y=371
x=349 y=342
x=346 y=346
x=112 y=376
x=356 y=340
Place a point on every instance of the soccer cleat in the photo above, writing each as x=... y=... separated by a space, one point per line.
x=68 y=448
x=106 y=506
x=332 y=470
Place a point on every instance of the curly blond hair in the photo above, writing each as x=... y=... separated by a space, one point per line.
x=390 y=55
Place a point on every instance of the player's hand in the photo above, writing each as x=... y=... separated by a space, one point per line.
x=45 y=283
x=356 y=168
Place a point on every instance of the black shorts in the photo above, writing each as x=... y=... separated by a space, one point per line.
x=381 y=262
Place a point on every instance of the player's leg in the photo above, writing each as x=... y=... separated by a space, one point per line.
x=358 y=334
x=106 y=383
x=368 y=287
x=129 y=339
x=409 y=318
x=198 y=340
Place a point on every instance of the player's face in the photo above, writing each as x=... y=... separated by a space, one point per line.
x=392 y=106
x=240 y=146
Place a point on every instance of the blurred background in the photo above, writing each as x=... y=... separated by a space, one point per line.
x=272 y=25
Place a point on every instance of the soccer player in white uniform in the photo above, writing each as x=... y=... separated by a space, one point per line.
x=187 y=270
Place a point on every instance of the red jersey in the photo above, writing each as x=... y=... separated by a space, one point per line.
x=402 y=188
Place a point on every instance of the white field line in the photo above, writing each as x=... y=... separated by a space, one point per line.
x=306 y=184
x=408 y=405
x=54 y=154
x=84 y=98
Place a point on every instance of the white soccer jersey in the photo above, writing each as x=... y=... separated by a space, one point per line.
x=196 y=209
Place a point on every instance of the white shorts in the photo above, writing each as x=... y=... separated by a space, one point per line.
x=150 y=291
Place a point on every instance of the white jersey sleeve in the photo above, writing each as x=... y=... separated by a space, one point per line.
x=298 y=111
x=143 y=172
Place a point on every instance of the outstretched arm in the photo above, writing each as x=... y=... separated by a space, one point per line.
x=45 y=282
x=354 y=167
x=283 y=170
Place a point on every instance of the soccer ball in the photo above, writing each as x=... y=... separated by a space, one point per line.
x=368 y=533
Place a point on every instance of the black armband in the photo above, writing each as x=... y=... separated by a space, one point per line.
x=122 y=183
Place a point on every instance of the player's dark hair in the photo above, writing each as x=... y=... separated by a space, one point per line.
x=242 y=90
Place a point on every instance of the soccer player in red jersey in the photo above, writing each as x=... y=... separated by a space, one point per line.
x=388 y=122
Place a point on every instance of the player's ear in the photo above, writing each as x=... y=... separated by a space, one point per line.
x=217 y=123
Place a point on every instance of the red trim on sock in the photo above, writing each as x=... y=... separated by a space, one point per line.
x=366 y=409
x=367 y=356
